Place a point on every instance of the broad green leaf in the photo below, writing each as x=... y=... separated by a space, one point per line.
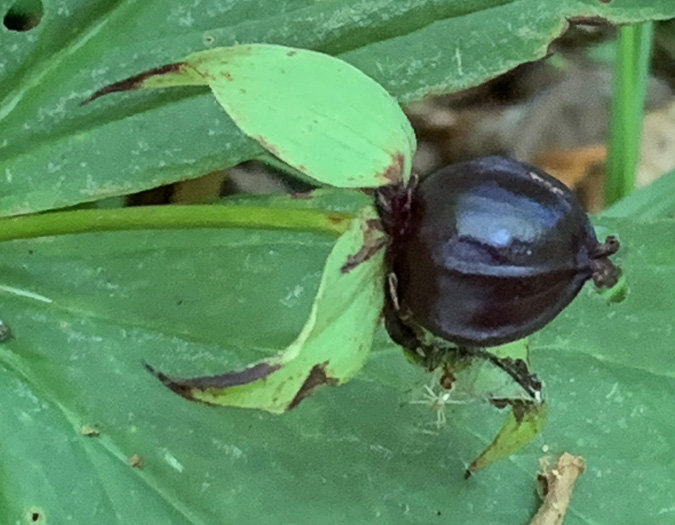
x=651 y=202
x=611 y=369
x=318 y=114
x=55 y=153
x=87 y=310
x=330 y=349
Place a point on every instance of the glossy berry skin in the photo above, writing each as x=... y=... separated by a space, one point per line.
x=488 y=251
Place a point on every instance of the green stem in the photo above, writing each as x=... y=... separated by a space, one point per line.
x=644 y=39
x=171 y=217
x=630 y=86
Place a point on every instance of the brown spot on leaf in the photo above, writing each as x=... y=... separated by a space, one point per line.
x=375 y=224
x=307 y=195
x=542 y=486
x=335 y=218
x=317 y=377
x=373 y=242
x=588 y=20
x=394 y=172
x=227 y=76
x=186 y=387
x=135 y=461
x=5 y=332
x=269 y=147
x=134 y=82
x=447 y=380
x=291 y=53
x=553 y=45
x=521 y=409
x=367 y=251
x=90 y=431
x=499 y=403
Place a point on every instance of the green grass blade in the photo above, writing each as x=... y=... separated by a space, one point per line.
x=630 y=86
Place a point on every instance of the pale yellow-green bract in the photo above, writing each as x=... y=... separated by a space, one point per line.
x=482 y=380
x=518 y=430
x=335 y=340
x=317 y=113
x=526 y=418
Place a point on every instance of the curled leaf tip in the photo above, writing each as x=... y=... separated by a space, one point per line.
x=186 y=387
x=172 y=384
x=135 y=82
x=522 y=425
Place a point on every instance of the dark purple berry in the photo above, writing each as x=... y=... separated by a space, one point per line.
x=488 y=251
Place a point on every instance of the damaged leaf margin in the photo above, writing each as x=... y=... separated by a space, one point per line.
x=479 y=378
x=525 y=422
x=331 y=348
x=318 y=114
x=528 y=409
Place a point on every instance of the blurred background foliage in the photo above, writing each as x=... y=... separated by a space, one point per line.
x=553 y=113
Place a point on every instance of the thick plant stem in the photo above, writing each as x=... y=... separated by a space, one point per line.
x=630 y=85
x=171 y=217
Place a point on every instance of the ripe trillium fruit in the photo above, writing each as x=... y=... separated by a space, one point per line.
x=488 y=251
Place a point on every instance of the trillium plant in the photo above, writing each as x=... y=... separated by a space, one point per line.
x=352 y=352
x=476 y=256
